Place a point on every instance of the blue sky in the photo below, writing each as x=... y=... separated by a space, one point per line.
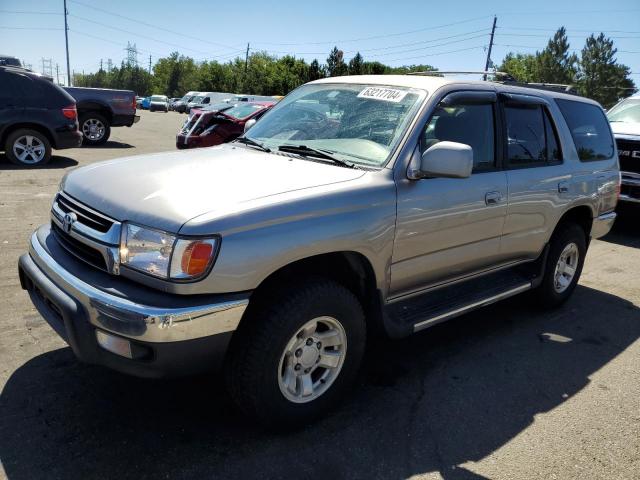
x=450 y=35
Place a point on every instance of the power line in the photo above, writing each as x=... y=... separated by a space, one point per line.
x=409 y=32
x=551 y=30
x=25 y=12
x=436 y=54
x=30 y=28
x=139 y=22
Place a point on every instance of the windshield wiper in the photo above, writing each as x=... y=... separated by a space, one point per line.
x=253 y=143
x=309 y=151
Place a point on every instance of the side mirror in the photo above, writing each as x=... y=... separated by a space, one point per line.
x=446 y=159
x=250 y=123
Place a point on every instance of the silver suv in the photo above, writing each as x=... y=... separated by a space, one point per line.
x=358 y=206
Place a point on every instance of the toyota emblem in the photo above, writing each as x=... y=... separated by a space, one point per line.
x=68 y=221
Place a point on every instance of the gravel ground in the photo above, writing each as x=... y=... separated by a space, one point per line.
x=507 y=392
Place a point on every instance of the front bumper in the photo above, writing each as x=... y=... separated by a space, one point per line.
x=170 y=335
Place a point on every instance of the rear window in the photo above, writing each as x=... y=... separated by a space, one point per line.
x=589 y=129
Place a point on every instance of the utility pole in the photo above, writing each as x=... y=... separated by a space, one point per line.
x=66 y=41
x=109 y=65
x=493 y=31
x=149 y=64
x=246 y=60
x=57 y=75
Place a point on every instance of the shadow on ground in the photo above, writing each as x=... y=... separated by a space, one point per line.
x=55 y=162
x=429 y=403
x=110 y=144
x=626 y=229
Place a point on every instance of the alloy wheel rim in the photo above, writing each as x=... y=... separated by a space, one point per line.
x=93 y=129
x=29 y=149
x=566 y=267
x=312 y=359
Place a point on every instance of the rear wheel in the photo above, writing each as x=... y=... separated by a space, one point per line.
x=297 y=355
x=95 y=128
x=565 y=260
x=27 y=147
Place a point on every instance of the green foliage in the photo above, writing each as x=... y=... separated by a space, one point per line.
x=596 y=73
x=263 y=74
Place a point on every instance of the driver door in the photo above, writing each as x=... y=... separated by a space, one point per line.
x=450 y=228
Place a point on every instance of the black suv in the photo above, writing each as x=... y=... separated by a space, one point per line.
x=35 y=116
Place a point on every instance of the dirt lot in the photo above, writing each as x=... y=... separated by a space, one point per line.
x=507 y=392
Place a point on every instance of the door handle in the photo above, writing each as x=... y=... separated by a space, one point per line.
x=492 y=198
x=563 y=187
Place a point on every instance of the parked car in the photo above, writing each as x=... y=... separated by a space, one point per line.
x=625 y=123
x=172 y=103
x=159 y=103
x=207 y=98
x=357 y=206
x=209 y=127
x=99 y=109
x=181 y=105
x=10 y=61
x=139 y=102
x=35 y=116
x=146 y=102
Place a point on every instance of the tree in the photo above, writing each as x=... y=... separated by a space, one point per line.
x=601 y=77
x=315 y=71
x=555 y=64
x=356 y=65
x=522 y=67
x=335 y=63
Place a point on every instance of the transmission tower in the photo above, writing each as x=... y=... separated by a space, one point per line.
x=132 y=55
x=47 y=67
x=109 y=65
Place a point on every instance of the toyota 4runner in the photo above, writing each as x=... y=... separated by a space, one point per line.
x=357 y=206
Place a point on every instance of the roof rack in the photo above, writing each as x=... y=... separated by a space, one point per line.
x=437 y=73
x=504 y=78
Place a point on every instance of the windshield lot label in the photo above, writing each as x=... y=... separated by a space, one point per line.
x=386 y=94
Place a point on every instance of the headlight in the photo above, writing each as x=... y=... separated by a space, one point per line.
x=164 y=255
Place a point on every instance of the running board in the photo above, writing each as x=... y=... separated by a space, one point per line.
x=406 y=316
x=472 y=306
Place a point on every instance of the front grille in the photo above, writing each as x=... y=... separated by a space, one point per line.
x=85 y=216
x=79 y=249
x=630 y=190
x=626 y=149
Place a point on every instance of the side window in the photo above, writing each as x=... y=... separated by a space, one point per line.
x=469 y=124
x=531 y=138
x=589 y=129
x=10 y=92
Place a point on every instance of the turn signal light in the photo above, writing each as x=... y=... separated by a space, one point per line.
x=70 y=112
x=196 y=257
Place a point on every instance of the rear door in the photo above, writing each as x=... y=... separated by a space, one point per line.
x=538 y=174
x=448 y=228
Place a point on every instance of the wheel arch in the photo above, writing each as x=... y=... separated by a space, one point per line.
x=98 y=107
x=30 y=125
x=582 y=215
x=351 y=269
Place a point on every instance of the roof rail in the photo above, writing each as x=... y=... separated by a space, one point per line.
x=554 y=87
x=437 y=73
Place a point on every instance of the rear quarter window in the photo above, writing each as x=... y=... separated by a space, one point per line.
x=589 y=129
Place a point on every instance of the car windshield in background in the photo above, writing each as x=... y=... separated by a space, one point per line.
x=627 y=112
x=158 y=98
x=197 y=99
x=362 y=123
x=243 y=111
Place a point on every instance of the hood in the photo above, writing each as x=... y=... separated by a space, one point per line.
x=165 y=190
x=625 y=128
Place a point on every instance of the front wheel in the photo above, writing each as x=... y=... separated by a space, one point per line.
x=95 y=129
x=297 y=355
x=565 y=260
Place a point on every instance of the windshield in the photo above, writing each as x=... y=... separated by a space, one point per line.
x=627 y=111
x=362 y=123
x=197 y=99
x=158 y=98
x=243 y=111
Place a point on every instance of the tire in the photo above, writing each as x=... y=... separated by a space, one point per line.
x=100 y=134
x=27 y=147
x=256 y=371
x=556 y=287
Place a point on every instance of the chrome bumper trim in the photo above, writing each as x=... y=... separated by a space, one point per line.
x=602 y=224
x=627 y=198
x=136 y=321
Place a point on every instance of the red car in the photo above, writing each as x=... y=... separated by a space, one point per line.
x=214 y=126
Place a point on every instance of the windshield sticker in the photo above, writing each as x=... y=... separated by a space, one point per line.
x=385 y=94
